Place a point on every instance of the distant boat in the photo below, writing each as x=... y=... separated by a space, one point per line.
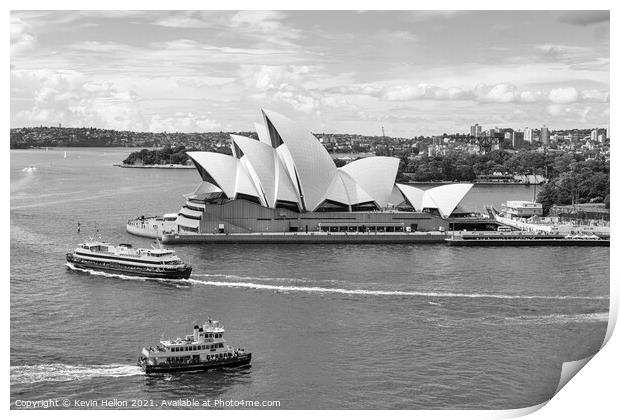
x=65 y=154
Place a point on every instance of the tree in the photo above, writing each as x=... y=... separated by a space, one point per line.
x=547 y=196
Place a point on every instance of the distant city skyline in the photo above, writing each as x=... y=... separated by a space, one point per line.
x=412 y=72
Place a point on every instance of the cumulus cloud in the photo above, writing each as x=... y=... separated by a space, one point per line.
x=482 y=93
x=22 y=38
x=265 y=77
x=564 y=95
x=264 y=25
x=181 y=21
x=184 y=123
x=74 y=99
x=569 y=113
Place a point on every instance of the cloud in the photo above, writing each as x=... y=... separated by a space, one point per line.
x=422 y=91
x=481 y=93
x=183 y=123
x=424 y=15
x=584 y=17
x=564 y=95
x=75 y=99
x=181 y=21
x=22 y=38
x=570 y=113
x=265 y=26
x=265 y=77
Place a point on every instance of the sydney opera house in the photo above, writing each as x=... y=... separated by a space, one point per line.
x=287 y=182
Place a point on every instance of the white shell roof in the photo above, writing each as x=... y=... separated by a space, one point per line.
x=222 y=168
x=375 y=175
x=356 y=193
x=206 y=187
x=285 y=189
x=445 y=198
x=259 y=161
x=314 y=167
x=300 y=165
x=413 y=195
x=263 y=135
x=227 y=171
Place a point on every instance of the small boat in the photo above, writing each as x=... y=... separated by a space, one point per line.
x=203 y=350
x=124 y=259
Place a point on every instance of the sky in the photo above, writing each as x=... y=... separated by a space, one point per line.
x=412 y=72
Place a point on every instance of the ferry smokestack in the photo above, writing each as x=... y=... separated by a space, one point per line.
x=196 y=332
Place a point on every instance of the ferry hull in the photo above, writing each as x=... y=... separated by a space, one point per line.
x=128 y=270
x=195 y=367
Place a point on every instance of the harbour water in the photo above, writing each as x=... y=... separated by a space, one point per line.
x=331 y=326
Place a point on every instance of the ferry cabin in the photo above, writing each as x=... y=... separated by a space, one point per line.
x=104 y=252
x=206 y=344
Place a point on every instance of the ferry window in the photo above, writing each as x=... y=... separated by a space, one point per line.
x=352 y=228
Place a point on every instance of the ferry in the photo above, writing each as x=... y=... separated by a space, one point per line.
x=124 y=259
x=203 y=350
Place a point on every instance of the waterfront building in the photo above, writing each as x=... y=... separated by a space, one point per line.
x=521 y=209
x=287 y=182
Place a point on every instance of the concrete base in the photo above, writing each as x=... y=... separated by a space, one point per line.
x=306 y=238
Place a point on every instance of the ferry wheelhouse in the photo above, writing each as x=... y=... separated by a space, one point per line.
x=124 y=259
x=204 y=349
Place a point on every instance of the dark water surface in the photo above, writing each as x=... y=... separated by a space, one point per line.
x=332 y=326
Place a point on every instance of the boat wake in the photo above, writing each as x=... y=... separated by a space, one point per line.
x=274 y=279
x=365 y=292
x=558 y=318
x=178 y=283
x=58 y=372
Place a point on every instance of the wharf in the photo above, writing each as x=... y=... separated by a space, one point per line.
x=523 y=239
x=307 y=238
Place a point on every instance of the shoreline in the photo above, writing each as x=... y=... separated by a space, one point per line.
x=160 y=166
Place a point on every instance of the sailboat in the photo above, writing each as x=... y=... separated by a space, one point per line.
x=65 y=154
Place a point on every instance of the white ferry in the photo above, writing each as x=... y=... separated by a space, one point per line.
x=124 y=259
x=204 y=349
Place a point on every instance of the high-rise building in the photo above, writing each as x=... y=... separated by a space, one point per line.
x=517 y=140
x=544 y=136
x=528 y=135
x=475 y=130
x=594 y=134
